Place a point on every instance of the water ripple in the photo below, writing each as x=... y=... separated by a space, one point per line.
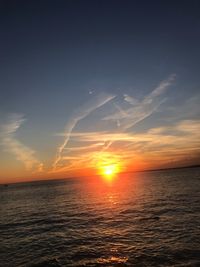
x=141 y=220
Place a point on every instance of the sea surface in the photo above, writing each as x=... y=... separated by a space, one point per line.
x=139 y=219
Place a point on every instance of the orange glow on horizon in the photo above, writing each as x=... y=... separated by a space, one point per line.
x=108 y=165
x=109 y=172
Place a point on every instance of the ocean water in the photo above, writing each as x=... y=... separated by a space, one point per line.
x=143 y=219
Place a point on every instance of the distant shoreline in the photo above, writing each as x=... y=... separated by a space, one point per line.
x=172 y=168
x=60 y=179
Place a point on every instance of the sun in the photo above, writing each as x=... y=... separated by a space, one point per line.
x=108 y=165
x=109 y=172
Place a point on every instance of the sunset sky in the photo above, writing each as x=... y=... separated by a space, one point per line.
x=85 y=84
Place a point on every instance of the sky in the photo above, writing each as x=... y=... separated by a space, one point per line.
x=85 y=84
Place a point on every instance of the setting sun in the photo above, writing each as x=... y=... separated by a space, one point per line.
x=109 y=171
x=108 y=165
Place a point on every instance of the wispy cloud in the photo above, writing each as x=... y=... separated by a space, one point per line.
x=140 y=110
x=154 y=146
x=182 y=130
x=125 y=119
x=157 y=145
x=8 y=139
x=80 y=114
x=111 y=130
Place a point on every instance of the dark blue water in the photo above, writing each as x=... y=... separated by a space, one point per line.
x=145 y=219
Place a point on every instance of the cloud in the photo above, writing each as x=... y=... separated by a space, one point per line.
x=185 y=129
x=157 y=145
x=22 y=153
x=162 y=87
x=80 y=114
x=84 y=148
x=130 y=100
x=127 y=118
x=187 y=109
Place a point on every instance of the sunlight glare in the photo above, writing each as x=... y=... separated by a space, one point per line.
x=109 y=171
x=108 y=165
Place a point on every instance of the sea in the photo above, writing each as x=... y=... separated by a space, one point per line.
x=137 y=219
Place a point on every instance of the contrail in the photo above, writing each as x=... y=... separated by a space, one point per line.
x=83 y=112
x=128 y=118
x=12 y=145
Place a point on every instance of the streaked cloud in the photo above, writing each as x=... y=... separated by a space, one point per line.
x=166 y=143
x=80 y=114
x=10 y=143
x=140 y=110
x=185 y=128
x=126 y=113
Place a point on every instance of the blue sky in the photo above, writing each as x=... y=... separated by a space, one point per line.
x=82 y=63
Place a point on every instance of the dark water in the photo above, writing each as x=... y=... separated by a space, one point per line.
x=149 y=219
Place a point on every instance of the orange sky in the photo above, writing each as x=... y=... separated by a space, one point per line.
x=123 y=133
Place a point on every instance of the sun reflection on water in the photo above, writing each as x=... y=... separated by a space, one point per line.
x=113 y=259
